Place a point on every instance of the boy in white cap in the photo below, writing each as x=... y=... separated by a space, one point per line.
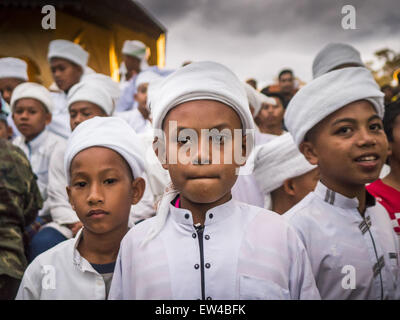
x=103 y=163
x=283 y=174
x=5 y=129
x=202 y=244
x=336 y=121
x=68 y=62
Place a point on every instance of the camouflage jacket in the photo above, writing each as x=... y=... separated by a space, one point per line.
x=20 y=201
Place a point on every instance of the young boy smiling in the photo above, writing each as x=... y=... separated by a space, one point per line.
x=202 y=244
x=336 y=121
x=103 y=162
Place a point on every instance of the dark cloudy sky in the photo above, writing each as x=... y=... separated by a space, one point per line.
x=257 y=38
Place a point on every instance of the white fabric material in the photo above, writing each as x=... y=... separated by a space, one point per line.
x=278 y=161
x=39 y=152
x=91 y=92
x=197 y=81
x=334 y=55
x=253 y=98
x=146 y=76
x=13 y=68
x=248 y=252
x=60 y=117
x=74 y=277
x=135 y=119
x=327 y=94
x=68 y=50
x=108 y=132
x=330 y=226
x=34 y=91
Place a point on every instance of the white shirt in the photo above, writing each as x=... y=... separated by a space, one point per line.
x=343 y=247
x=62 y=273
x=135 y=119
x=245 y=252
x=39 y=151
x=60 y=116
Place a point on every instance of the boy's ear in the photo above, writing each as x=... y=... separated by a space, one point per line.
x=159 y=150
x=135 y=96
x=309 y=152
x=70 y=197
x=138 y=187
x=48 y=118
x=289 y=187
x=390 y=149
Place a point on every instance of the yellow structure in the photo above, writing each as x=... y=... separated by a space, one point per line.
x=99 y=26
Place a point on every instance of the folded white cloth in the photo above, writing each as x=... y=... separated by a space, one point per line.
x=13 y=68
x=333 y=55
x=109 y=132
x=34 y=91
x=200 y=81
x=253 y=98
x=106 y=83
x=327 y=94
x=137 y=49
x=147 y=76
x=277 y=161
x=68 y=50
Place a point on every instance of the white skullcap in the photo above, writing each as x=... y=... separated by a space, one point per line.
x=200 y=81
x=334 y=55
x=253 y=98
x=146 y=77
x=106 y=83
x=68 y=50
x=87 y=91
x=277 y=161
x=13 y=68
x=134 y=48
x=34 y=91
x=328 y=93
x=109 y=132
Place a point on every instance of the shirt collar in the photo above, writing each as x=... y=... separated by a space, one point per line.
x=339 y=200
x=213 y=215
x=81 y=263
x=38 y=141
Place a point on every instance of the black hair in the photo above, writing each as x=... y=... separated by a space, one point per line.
x=285 y=71
x=392 y=110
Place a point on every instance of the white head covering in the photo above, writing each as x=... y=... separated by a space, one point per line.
x=137 y=49
x=68 y=50
x=277 y=161
x=196 y=81
x=106 y=83
x=109 y=132
x=87 y=91
x=34 y=91
x=146 y=77
x=327 y=94
x=253 y=98
x=333 y=55
x=13 y=68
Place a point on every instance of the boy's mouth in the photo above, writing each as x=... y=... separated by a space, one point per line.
x=367 y=157
x=97 y=213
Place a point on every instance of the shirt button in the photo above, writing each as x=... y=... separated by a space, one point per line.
x=208 y=265
x=211 y=215
x=194 y=235
x=196 y=266
x=209 y=298
x=187 y=216
x=207 y=237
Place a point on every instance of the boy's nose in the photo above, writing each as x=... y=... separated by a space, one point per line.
x=95 y=195
x=366 y=138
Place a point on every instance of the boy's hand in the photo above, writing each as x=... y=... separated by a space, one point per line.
x=74 y=227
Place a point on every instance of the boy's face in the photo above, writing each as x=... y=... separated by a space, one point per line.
x=286 y=82
x=141 y=95
x=7 y=86
x=30 y=117
x=203 y=183
x=131 y=63
x=271 y=115
x=5 y=130
x=102 y=190
x=349 y=146
x=81 y=111
x=65 y=73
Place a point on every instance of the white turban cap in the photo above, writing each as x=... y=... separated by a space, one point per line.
x=34 y=91
x=68 y=50
x=200 y=81
x=134 y=48
x=13 y=68
x=87 y=91
x=146 y=77
x=328 y=93
x=109 y=132
x=333 y=55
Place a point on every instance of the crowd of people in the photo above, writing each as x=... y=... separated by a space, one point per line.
x=193 y=184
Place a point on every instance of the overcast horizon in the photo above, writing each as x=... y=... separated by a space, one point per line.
x=258 y=38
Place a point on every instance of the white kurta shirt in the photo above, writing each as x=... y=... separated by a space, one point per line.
x=60 y=116
x=39 y=152
x=62 y=273
x=244 y=252
x=352 y=257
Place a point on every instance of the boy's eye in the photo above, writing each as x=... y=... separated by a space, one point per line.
x=80 y=184
x=183 y=140
x=110 y=181
x=86 y=114
x=344 y=130
x=375 y=126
